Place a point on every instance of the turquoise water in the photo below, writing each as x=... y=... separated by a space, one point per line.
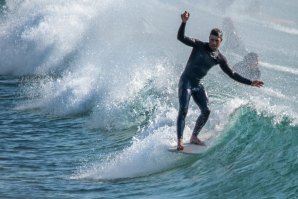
x=88 y=96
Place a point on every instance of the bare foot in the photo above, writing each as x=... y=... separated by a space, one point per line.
x=180 y=146
x=197 y=141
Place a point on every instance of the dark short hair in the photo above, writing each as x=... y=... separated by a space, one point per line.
x=216 y=32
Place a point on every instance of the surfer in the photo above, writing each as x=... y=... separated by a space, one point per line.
x=203 y=57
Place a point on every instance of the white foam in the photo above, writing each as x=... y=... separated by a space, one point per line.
x=74 y=93
x=277 y=110
x=145 y=155
x=148 y=152
x=38 y=35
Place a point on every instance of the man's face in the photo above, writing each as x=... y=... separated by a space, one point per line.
x=254 y=63
x=214 y=42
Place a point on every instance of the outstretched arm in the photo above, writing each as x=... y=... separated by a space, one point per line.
x=181 y=32
x=257 y=83
x=224 y=66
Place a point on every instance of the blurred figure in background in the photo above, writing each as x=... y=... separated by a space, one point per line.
x=233 y=40
x=248 y=67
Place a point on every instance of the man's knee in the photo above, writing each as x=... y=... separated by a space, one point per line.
x=183 y=112
x=206 y=112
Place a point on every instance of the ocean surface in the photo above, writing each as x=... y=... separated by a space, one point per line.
x=88 y=101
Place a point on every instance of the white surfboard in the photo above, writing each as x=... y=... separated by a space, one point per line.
x=193 y=149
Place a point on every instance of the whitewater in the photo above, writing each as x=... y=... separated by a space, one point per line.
x=89 y=101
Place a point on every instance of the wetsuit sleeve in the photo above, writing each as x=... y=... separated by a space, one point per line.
x=181 y=37
x=235 y=76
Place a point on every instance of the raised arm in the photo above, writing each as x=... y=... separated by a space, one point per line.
x=181 y=32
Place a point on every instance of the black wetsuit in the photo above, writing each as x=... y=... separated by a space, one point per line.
x=201 y=60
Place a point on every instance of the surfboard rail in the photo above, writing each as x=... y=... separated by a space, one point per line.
x=189 y=148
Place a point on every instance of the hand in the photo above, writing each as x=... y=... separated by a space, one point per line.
x=185 y=16
x=257 y=83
